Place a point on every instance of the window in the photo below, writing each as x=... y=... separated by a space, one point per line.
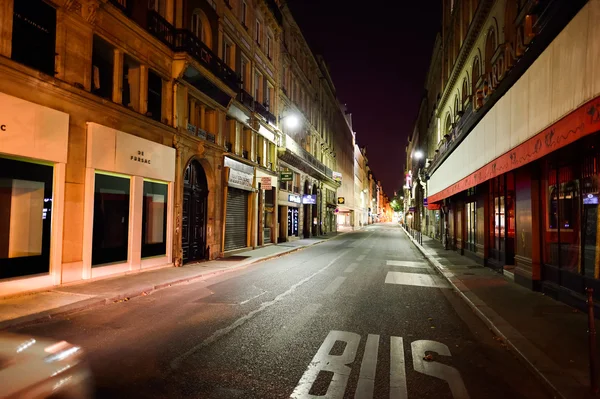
x=154 y=219
x=130 y=95
x=245 y=73
x=111 y=219
x=465 y=91
x=102 y=68
x=244 y=14
x=157 y=5
x=34 y=35
x=490 y=48
x=269 y=46
x=471 y=213
x=25 y=218
x=154 y=96
x=201 y=27
x=258 y=89
x=228 y=52
x=258 y=33
x=269 y=97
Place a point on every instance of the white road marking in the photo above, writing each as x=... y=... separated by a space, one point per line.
x=351 y=268
x=336 y=364
x=265 y=305
x=407 y=263
x=366 y=379
x=435 y=369
x=415 y=279
x=334 y=285
x=360 y=258
x=254 y=297
x=398 y=388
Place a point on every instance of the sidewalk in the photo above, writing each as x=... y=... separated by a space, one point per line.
x=549 y=336
x=27 y=308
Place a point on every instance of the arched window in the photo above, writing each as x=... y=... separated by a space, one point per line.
x=475 y=73
x=457 y=108
x=201 y=27
x=448 y=126
x=465 y=90
x=490 y=48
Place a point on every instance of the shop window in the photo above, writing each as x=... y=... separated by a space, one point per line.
x=111 y=219
x=154 y=219
x=471 y=217
x=102 y=68
x=25 y=218
x=34 y=35
x=130 y=96
x=154 y=96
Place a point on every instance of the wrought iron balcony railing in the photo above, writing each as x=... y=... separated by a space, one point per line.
x=262 y=110
x=245 y=98
x=161 y=28
x=186 y=41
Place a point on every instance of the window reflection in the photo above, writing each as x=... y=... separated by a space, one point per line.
x=154 y=219
x=111 y=219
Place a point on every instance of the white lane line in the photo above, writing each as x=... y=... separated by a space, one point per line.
x=366 y=379
x=361 y=258
x=419 y=280
x=265 y=305
x=407 y=263
x=254 y=297
x=294 y=325
x=351 y=268
x=334 y=285
x=397 y=369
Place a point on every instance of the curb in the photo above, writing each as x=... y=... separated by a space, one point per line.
x=461 y=289
x=100 y=301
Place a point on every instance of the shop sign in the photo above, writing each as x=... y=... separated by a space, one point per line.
x=3 y=128
x=337 y=176
x=425 y=202
x=286 y=176
x=265 y=183
x=309 y=199
x=240 y=179
x=295 y=198
x=411 y=209
x=341 y=200
x=140 y=157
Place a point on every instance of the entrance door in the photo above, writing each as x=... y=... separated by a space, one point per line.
x=502 y=222
x=195 y=199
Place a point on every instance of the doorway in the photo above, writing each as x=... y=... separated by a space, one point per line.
x=501 y=253
x=195 y=201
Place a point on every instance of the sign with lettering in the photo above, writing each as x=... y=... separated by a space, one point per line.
x=309 y=199
x=3 y=128
x=286 y=176
x=295 y=198
x=341 y=200
x=140 y=157
x=337 y=176
x=265 y=183
x=240 y=180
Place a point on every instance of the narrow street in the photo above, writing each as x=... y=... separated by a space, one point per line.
x=364 y=308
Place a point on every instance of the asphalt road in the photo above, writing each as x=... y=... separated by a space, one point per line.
x=353 y=317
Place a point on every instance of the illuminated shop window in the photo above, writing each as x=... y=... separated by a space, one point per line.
x=154 y=219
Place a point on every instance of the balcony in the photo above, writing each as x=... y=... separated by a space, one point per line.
x=188 y=42
x=264 y=112
x=245 y=98
x=201 y=133
x=161 y=28
x=120 y=4
x=297 y=156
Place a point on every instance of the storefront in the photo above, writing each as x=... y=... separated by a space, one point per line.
x=289 y=216
x=33 y=157
x=128 y=203
x=238 y=189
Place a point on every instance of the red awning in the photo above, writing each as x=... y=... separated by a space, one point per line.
x=434 y=206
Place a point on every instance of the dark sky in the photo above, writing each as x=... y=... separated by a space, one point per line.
x=378 y=53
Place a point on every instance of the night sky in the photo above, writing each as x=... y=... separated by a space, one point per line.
x=378 y=55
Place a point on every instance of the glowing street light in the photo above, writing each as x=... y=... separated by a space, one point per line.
x=418 y=154
x=291 y=121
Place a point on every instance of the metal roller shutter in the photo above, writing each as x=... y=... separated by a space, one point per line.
x=236 y=221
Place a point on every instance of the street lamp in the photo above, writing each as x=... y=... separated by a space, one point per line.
x=290 y=121
x=418 y=154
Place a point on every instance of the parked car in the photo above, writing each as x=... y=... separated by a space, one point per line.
x=32 y=367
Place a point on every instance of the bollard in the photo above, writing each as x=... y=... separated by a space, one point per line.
x=592 y=341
